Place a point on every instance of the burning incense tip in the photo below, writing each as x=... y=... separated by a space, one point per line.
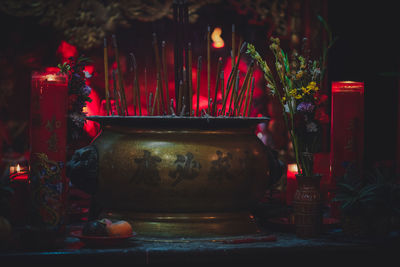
x=133 y=61
x=154 y=38
x=243 y=47
x=114 y=40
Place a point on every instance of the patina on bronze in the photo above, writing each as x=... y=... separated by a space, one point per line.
x=181 y=176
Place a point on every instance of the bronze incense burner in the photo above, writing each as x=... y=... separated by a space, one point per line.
x=177 y=176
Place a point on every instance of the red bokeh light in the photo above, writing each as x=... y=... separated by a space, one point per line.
x=66 y=50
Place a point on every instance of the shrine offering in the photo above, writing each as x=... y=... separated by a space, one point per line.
x=48 y=135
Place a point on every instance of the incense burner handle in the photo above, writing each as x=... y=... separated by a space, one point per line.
x=83 y=169
x=276 y=166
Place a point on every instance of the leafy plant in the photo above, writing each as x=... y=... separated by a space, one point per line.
x=376 y=194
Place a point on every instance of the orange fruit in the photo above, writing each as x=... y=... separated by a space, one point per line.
x=119 y=228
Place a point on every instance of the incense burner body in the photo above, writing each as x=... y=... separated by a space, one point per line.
x=181 y=177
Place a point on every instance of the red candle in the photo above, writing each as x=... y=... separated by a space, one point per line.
x=48 y=135
x=347 y=127
x=291 y=182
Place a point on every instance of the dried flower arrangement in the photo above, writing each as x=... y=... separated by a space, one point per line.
x=298 y=92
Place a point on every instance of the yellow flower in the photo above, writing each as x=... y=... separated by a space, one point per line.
x=299 y=74
x=284 y=99
x=299 y=96
x=293 y=92
x=306 y=90
x=312 y=86
x=275 y=40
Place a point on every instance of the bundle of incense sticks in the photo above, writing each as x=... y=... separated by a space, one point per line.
x=182 y=54
x=235 y=101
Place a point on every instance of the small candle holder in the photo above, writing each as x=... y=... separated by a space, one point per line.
x=19 y=172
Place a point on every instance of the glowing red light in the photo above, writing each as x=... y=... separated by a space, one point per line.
x=66 y=50
x=52 y=70
x=92 y=108
x=89 y=69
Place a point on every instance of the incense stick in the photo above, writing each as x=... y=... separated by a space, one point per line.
x=165 y=74
x=244 y=97
x=176 y=48
x=172 y=106
x=198 y=84
x=214 y=106
x=238 y=103
x=179 y=102
x=184 y=88
x=240 y=46
x=156 y=96
x=232 y=77
x=116 y=97
x=251 y=97
x=222 y=85
x=208 y=65
x=136 y=87
x=247 y=97
x=145 y=89
x=120 y=81
x=190 y=81
x=187 y=49
x=234 y=93
x=149 y=108
x=183 y=107
x=233 y=46
x=133 y=70
x=158 y=67
x=106 y=77
x=180 y=40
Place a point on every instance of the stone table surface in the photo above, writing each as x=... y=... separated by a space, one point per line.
x=283 y=247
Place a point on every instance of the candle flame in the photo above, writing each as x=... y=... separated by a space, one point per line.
x=50 y=77
x=18 y=168
x=292 y=168
x=291 y=171
x=218 y=42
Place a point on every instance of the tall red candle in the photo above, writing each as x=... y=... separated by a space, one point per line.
x=347 y=126
x=48 y=135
